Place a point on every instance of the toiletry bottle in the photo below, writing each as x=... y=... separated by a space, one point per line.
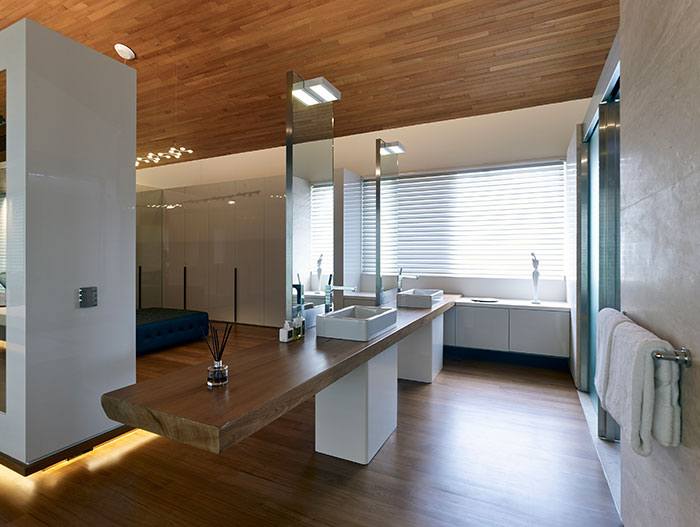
x=296 y=324
x=286 y=332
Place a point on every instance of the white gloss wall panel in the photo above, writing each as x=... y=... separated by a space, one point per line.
x=13 y=425
x=80 y=231
x=539 y=332
x=482 y=328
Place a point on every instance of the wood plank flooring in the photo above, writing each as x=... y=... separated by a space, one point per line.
x=487 y=444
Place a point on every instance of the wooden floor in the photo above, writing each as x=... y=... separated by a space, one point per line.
x=487 y=444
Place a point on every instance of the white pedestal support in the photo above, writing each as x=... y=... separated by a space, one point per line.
x=356 y=414
x=420 y=353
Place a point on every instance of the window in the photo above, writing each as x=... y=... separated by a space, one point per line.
x=322 y=225
x=475 y=223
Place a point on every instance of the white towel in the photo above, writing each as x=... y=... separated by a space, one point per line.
x=608 y=320
x=666 y=426
x=632 y=398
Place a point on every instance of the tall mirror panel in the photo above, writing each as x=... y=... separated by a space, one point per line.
x=309 y=199
x=387 y=271
x=3 y=241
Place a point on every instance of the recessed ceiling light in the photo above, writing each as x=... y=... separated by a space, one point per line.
x=124 y=52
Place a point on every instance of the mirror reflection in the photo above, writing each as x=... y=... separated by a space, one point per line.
x=310 y=136
x=3 y=242
x=387 y=273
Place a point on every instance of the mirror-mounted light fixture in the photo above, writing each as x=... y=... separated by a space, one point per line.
x=315 y=91
x=392 y=148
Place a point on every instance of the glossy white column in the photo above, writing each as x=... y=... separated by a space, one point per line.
x=420 y=354
x=71 y=192
x=356 y=414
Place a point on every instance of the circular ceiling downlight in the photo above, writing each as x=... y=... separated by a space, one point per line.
x=124 y=52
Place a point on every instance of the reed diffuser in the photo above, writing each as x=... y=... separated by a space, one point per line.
x=217 y=375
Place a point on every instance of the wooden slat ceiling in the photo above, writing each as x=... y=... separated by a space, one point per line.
x=211 y=74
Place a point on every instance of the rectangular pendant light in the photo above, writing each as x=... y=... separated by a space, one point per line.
x=392 y=148
x=315 y=91
x=301 y=95
x=322 y=89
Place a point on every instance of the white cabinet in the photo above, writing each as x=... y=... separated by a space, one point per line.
x=173 y=247
x=196 y=249
x=222 y=251
x=540 y=332
x=275 y=247
x=250 y=250
x=221 y=230
x=149 y=248
x=513 y=325
x=482 y=328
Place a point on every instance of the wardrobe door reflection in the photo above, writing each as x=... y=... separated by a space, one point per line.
x=3 y=241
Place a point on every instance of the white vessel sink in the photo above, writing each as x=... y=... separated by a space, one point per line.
x=360 y=323
x=419 y=298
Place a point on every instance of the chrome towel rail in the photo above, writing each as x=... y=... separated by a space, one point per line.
x=681 y=356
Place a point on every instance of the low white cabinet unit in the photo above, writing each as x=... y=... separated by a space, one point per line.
x=513 y=325
x=482 y=328
x=420 y=353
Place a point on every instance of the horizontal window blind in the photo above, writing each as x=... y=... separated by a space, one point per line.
x=389 y=225
x=322 y=225
x=477 y=223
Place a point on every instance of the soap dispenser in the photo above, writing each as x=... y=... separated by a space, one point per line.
x=286 y=332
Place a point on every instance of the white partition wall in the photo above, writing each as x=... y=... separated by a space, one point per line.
x=71 y=197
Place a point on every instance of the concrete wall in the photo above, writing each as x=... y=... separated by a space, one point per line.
x=660 y=225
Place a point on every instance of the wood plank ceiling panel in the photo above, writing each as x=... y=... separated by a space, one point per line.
x=211 y=73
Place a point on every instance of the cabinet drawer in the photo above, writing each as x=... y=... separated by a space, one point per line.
x=482 y=327
x=540 y=332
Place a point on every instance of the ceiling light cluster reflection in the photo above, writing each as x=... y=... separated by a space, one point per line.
x=172 y=153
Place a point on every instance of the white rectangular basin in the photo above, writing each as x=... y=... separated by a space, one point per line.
x=419 y=298
x=361 y=323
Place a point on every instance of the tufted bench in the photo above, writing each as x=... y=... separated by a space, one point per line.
x=158 y=328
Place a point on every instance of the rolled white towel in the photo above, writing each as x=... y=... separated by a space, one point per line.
x=608 y=320
x=632 y=398
x=666 y=426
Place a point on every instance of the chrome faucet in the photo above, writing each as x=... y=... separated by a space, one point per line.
x=343 y=288
x=401 y=276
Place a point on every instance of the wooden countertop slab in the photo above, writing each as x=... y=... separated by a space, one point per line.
x=265 y=382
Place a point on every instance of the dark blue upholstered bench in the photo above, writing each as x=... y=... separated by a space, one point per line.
x=158 y=328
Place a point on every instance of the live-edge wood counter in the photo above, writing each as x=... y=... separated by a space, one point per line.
x=265 y=382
